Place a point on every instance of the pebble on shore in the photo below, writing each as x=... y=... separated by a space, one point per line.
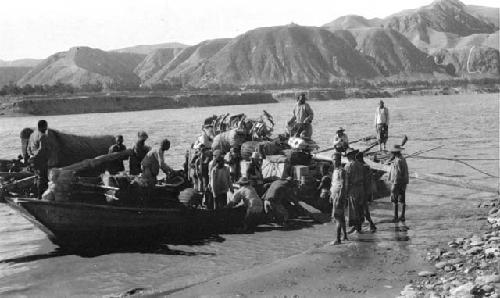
x=467 y=268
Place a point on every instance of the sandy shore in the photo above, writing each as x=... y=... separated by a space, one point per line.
x=369 y=265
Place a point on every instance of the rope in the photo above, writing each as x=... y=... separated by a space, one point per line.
x=462 y=162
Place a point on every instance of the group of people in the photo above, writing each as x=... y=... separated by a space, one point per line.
x=215 y=173
x=351 y=191
x=144 y=161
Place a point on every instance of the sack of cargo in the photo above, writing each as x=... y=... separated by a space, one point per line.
x=264 y=147
x=60 y=181
x=227 y=139
x=190 y=198
x=299 y=157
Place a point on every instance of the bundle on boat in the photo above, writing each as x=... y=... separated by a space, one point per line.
x=81 y=178
x=229 y=139
x=67 y=149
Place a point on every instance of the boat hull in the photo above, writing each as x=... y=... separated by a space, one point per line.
x=87 y=226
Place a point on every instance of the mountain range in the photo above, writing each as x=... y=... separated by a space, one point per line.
x=444 y=39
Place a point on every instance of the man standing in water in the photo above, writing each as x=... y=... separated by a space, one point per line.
x=38 y=149
x=354 y=185
x=382 y=124
x=338 y=197
x=302 y=117
x=367 y=192
x=399 y=178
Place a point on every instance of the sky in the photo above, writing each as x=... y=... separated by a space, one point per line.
x=37 y=29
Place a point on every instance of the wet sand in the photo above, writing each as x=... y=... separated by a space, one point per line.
x=274 y=261
x=369 y=265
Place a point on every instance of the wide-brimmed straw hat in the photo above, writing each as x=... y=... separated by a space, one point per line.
x=340 y=129
x=397 y=148
x=243 y=181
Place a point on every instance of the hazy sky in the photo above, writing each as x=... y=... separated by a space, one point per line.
x=39 y=28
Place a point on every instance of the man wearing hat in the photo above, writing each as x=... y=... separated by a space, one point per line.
x=251 y=200
x=302 y=116
x=220 y=182
x=139 y=151
x=354 y=190
x=399 y=178
x=382 y=124
x=340 y=142
x=254 y=173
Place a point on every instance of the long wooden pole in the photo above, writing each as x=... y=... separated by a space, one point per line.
x=462 y=183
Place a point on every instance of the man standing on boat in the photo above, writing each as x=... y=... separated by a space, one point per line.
x=153 y=162
x=399 y=178
x=38 y=149
x=116 y=166
x=382 y=124
x=354 y=185
x=302 y=117
x=340 y=143
x=138 y=153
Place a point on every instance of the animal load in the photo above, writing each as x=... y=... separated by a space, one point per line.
x=67 y=149
x=229 y=139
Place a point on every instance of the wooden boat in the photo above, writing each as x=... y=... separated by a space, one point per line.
x=84 y=226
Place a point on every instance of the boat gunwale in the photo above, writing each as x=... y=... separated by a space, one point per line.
x=18 y=202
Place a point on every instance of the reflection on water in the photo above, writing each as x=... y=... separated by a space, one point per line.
x=466 y=125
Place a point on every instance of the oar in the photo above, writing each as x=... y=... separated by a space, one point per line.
x=353 y=142
x=423 y=151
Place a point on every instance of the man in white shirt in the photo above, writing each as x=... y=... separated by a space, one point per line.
x=382 y=124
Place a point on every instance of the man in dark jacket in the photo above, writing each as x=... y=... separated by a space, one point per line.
x=116 y=166
x=367 y=192
x=280 y=194
x=399 y=178
x=39 y=151
x=138 y=153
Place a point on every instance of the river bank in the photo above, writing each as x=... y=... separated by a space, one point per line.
x=126 y=102
x=376 y=264
x=141 y=101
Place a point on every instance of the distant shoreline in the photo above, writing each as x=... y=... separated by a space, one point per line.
x=129 y=102
x=99 y=103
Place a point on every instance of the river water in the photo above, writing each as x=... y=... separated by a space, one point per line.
x=467 y=126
